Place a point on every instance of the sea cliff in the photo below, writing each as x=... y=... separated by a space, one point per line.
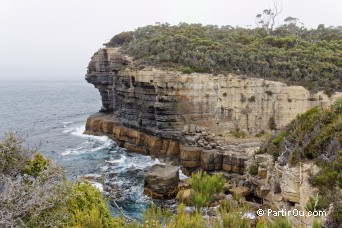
x=184 y=118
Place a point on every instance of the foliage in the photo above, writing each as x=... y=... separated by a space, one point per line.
x=317 y=203
x=35 y=193
x=290 y=53
x=204 y=186
x=12 y=155
x=36 y=165
x=87 y=207
x=155 y=217
x=251 y=99
x=272 y=124
x=239 y=134
x=234 y=216
x=279 y=222
x=316 y=224
x=337 y=214
x=253 y=169
x=121 y=39
x=314 y=135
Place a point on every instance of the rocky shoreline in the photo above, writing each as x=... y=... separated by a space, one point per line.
x=186 y=120
x=229 y=158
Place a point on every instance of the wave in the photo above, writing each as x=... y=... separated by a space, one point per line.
x=87 y=147
x=78 y=131
x=66 y=123
x=93 y=144
x=121 y=160
x=182 y=176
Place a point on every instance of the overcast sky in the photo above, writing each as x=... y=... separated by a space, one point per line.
x=54 y=40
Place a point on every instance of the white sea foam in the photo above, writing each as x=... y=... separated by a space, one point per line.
x=94 y=143
x=67 y=130
x=182 y=176
x=86 y=148
x=104 y=168
x=67 y=122
x=79 y=130
x=117 y=161
x=98 y=186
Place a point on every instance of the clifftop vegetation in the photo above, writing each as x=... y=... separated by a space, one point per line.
x=290 y=53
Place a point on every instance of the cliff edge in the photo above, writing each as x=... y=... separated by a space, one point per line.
x=185 y=117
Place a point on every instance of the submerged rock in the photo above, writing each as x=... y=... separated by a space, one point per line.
x=161 y=181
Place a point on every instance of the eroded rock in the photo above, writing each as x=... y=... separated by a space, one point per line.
x=241 y=191
x=161 y=181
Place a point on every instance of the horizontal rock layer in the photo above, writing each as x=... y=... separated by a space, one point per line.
x=188 y=157
x=167 y=114
x=163 y=102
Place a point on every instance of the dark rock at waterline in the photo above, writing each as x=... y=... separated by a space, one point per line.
x=161 y=181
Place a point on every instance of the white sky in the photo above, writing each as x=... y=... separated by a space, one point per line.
x=54 y=39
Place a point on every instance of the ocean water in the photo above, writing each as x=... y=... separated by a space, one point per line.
x=51 y=116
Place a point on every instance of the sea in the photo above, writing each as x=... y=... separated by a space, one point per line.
x=50 y=117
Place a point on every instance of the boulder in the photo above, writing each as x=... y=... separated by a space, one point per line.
x=226 y=187
x=192 y=128
x=161 y=181
x=241 y=191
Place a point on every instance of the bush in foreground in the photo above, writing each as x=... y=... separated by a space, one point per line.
x=35 y=193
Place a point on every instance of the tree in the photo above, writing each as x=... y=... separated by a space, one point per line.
x=266 y=19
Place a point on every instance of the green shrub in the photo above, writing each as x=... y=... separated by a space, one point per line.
x=155 y=217
x=235 y=219
x=272 y=124
x=36 y=165
x=318 y=203
x=239 y=134
x=35 y=193
x=204 y=186
x=13 y=157
x=87 y=207
x=253 y=169
x=279 y=222
x=294 y=157
x=251 y=99
x=186 y=70
x=120 y=39
x=279 y=139
x=269 y=92
x=337 y=213
x=316 y=224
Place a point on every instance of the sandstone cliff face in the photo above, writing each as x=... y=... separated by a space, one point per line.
x=165 y=113
x=163 y=102
x=175 y=116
